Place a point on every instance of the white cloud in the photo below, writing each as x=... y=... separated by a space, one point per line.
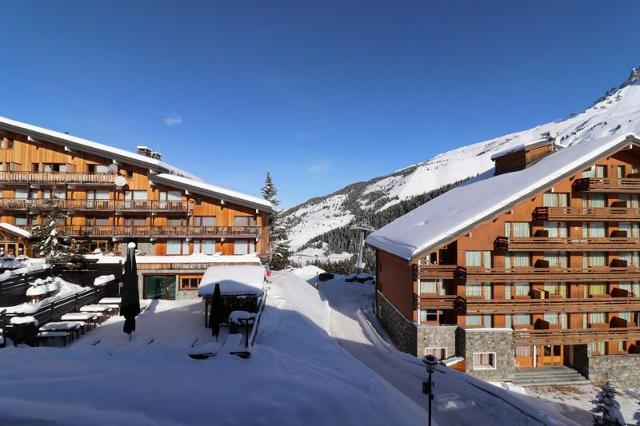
x=318 y=167
x=172 y=120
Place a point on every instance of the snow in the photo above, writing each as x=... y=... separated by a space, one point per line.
x=64 y=289
x=15 y=230
x=233 y=279
x=103 y=279
x=311 y=254
x=235 y=316
x=308 y=272
x=521 y=146
x=193 y=258
x=459 y=209
x=214 y=191
x=24 y=320
x=296 y=374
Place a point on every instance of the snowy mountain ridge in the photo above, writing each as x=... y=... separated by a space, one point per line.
x=616 y=109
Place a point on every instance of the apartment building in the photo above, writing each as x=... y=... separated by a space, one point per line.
x=534 y=266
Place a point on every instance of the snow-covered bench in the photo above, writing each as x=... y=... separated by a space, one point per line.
x=105 y=310
x=110 y=301
x=75 y=327
x=91 y=318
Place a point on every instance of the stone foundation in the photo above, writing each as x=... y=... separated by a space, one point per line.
x=437 y=336
x=497 y=341
x=621 y=370
x=402 y=331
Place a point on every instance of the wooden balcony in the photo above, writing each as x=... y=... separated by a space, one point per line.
x=55 y=178
x=538 y=306
x=624 y=185
x=574 y=336
x=436 y=302
x=533 y=274
x=605 y=214
x=444 y=272
x=161 y=231
x=96 y=205
x=566 y=244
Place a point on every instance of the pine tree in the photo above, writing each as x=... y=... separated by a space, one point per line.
x=606 y=410
x=279 y=250
x=50 y=244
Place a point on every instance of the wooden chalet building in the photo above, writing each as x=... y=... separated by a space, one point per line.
x=536 y=265
x=112 y=196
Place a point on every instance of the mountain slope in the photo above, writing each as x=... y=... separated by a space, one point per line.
x=320 y=226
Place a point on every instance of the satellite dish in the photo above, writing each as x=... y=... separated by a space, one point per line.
x=113 y=168
x=120 y=181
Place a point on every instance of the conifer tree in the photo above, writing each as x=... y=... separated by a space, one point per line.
x=606 y=410
x=279 y=250
x=56 y=248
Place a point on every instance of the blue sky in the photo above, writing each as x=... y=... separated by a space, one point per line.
x=320 y=93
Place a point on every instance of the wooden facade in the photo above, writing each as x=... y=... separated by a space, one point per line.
x=109 y=202
x=560 y=267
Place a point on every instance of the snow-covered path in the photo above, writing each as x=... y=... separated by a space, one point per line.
x=460 y=399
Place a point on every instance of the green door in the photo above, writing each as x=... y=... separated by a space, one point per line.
x=160 y=287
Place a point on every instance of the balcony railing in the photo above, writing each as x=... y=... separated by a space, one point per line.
x=98 y=231
x=574 y=336
x=446 y=272
x=566 y=243
x=58 y=178
x=436 y=302
x=536 y=306
x=614 y=214
x=625 y=185
x=559 y=274
x=95 y=205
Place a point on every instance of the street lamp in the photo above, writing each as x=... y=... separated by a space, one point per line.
x=430 y=363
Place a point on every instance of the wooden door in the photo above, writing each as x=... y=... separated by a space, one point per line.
x=550 y=355
x=524 y=356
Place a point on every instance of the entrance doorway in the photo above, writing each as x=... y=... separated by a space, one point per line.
x=159 y=287
x=550 y=355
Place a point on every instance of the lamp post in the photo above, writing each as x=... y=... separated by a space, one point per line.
x=430 y=363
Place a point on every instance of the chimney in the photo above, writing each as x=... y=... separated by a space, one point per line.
x=522 y=156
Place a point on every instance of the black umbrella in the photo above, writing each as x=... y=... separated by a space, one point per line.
x=217 y=311
x=130 y=304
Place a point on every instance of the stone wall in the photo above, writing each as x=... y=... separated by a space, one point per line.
x=496 y=340
x=437 y=336
x=621 y=370
x=402 y=331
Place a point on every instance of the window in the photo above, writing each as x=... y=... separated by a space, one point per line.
x=628 y=316
x=478 y=258
x=173 y=247
x=10 y=143
x=244 y=221
x=428 y=316
x=473 y=289
x=517 y=229
x=595 y=289
x=189 y=282
x=620 y=172
x=555 y=199
x=522 y=289
x=14 y=167
x=631 y=287
x=595 y=172
x=98 y=168
x=593 y=230
x=507 y=321
x=99 y=221
x=21 y=193
x=595 y=259
x=551 y=318
x=170 y=196
x=556 y=289
x=208 y=247
x=556 y=229
x=473 y=320
x=522 y=319
x=523 y=351
x=596 y=347
x=632 y=200
x=21 y=220
x=59 y=194
x=484 y=360
x=593 y=200
x=556 y=259
x=174 y=221
x=428 y=286
x=244 y=246
x=204 y=221
x=597 y=318
x=55 y=168
x=135 y=195
x=139 y=221
x=517 y=260
x=632 y=229
x=440 y=353
x=631 y=257
x=35 y=167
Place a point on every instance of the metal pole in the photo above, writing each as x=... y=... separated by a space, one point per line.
x=430 y=396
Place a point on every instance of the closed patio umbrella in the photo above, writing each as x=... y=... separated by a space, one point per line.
x=130 y=304
x=217 y=311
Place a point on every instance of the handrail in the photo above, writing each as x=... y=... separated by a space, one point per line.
x=581 y=335
x=57 y=177
x=101 y=205
x=607 y=184
x=587 y=213
x=160 y=231
x=602 y=273
x=566 y=243
x=608 y=304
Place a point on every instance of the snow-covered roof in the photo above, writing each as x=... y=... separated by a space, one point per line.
x=214 y=191
x=521 y=146
x=457 y=211
x=85 y=145
x=233 y=279
x=15 y=230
